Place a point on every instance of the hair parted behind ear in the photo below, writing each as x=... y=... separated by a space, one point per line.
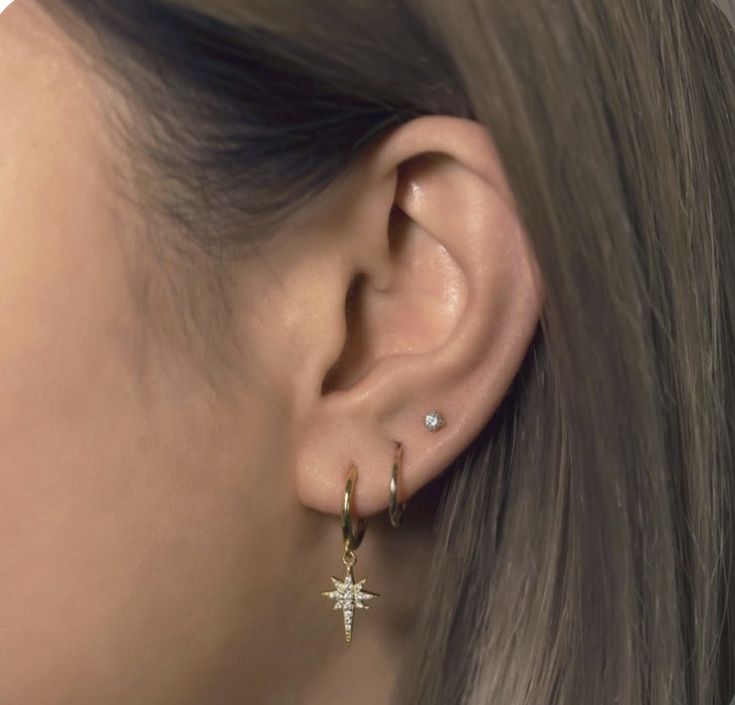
x=585 y=543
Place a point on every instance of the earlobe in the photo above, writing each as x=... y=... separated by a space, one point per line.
x=446 y=329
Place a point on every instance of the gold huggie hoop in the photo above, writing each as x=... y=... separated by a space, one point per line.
x=349 y=594
x=395 y=511
x=352 y=539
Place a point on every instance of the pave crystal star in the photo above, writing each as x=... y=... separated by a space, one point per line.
x=348 y=596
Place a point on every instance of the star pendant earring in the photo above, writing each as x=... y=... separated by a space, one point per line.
x=349 y=595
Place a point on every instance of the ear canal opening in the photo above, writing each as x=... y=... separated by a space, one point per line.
x=349 y=367
x=352 y=303
x=397 y=219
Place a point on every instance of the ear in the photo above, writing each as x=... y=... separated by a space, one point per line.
x=427 y=299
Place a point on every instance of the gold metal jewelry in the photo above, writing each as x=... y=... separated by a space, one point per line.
x=395 y=511
x=348 y=594
x=352 y=538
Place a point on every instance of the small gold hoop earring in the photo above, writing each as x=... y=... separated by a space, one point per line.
x=352 y=538
x=395 y=510
x=349 y=595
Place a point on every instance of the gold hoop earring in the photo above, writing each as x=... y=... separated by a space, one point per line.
x=352 y=539
x=347 y=594
x=395 y=511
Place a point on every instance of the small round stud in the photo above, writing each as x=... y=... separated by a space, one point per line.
x=433 y=421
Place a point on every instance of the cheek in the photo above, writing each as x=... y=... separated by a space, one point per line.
x=123 y=515
x=137 y=537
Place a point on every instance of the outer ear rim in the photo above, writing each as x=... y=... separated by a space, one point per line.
x=475 y=149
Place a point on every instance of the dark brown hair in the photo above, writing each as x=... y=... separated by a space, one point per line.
x=585 y=541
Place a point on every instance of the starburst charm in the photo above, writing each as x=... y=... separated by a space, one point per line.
x=348 y=596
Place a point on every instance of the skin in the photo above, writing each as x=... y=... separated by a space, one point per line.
x=171 y=515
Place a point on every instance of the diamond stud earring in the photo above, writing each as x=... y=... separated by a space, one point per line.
x=433 y=421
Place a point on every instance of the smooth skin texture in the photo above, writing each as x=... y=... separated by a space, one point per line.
x=163 y=541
